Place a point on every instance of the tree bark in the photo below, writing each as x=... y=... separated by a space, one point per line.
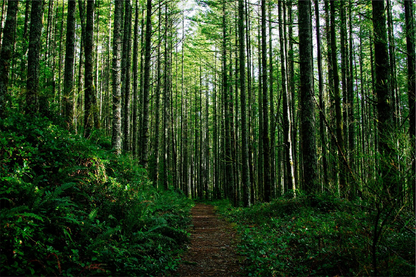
x=32 y=104
x=411 y=84
x=116 y=66
x=322 y=129
x=385 y=115
x=307 y=99
x=89 y=67
x=126 y=75
x=135 y=79
x=288 y=181
x=146 y=86
x=6 y=54
x=265 y=131
x=337 y=96
x=69 y=65
x=244 y=155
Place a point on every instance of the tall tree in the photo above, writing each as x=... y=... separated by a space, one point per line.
x=146 y=86
x=288 y=162
x=69 y=65
x=244 y=155
x=36 y=15
x=6 y=53
x=306 y=100
x=322 y=129
x=265 y=132
x=385 y=115
x=116 y=69
x=89 y=105
x=272 y=125
x=135 y=79
x=126 y=74
x=229 y=175
x=411 y=83
x=337 y=96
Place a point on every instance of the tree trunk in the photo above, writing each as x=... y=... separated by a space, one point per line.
x=135 y=79
x=244 y=154
x=411 y=85
x=307 y=99
x=288 y=178
x=116 y=67
x=69 y=65
x=385 y=115
x=146 y=86
x=32 y=104
x=322 y=129
x=265 y=132
x=89 y=67
x=125 y=88
x=338 y=112
x=6 y=54
x=272 y=113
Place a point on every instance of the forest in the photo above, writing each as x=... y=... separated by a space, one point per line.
x=295 y=119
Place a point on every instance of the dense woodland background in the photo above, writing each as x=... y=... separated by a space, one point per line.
x=246 y=100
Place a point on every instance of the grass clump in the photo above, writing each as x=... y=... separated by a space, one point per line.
x=71 y=207
x=320 y=235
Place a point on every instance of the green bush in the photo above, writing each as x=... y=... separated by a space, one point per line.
x=319 y=235
x=71 y=207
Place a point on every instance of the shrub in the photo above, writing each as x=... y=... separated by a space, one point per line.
x=319 y=235
x=71 y=207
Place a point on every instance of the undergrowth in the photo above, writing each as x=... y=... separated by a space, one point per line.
x=320 y=235
x=69 y=206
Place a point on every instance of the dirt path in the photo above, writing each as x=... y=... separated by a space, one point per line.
x=211 y=251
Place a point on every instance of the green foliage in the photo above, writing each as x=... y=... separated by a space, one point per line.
x=71 y=207
x=320 y=235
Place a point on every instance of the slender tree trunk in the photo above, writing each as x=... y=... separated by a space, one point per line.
x=392 y=62
x=89 y=67
x=260 y=162
x=135 y=79
x=272 y=115
x=116 y=70
x=6 y=54
x=344 y=81
x=146 y=86
x=32 y=104
x=307 y=98
x=206 y=144
x=69 y=65
x=228 y=115
x=60 y=96
x=350 y=107
x=338 y=112
x=97 y=91
x=321 y=97
x=251 y=97
x=265 y=132
x=244 y=156
x=23 y=66
x=2 y=22
x=288 y=181
x=216 y=188
x=291 y=94
x=126 y=76
x=411 y=85
x=155 y=160
x=165 y=143
x=382 y=87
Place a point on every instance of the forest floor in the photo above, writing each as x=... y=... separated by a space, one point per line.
x=211 y=249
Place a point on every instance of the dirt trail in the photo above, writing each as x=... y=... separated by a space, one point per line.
x=211 y=251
